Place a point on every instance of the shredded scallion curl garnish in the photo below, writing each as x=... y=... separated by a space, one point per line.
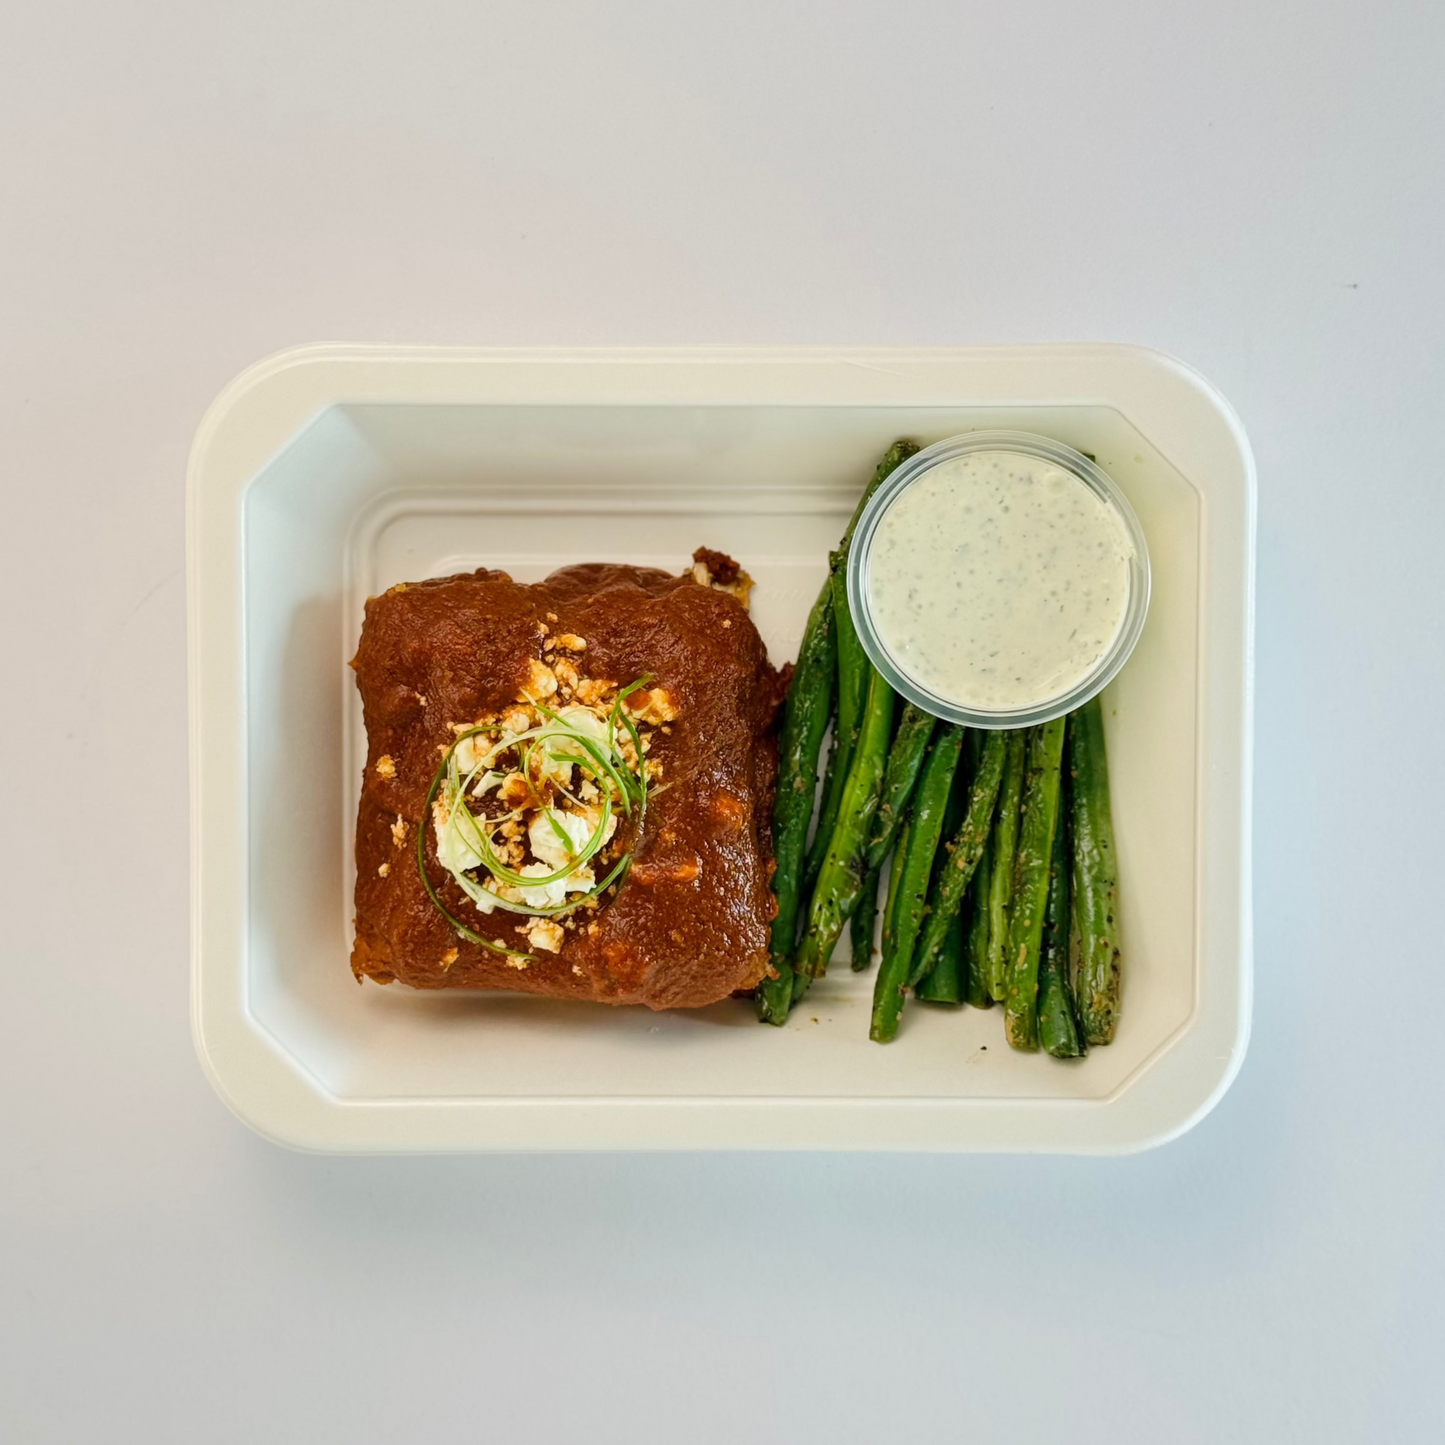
x=619 y=784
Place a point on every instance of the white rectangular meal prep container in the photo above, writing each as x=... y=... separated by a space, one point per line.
x=327 y=474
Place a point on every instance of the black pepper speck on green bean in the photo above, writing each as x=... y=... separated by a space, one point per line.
x=1031 y=883
x=1096 y=877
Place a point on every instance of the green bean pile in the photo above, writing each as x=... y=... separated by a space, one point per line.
x=997 y=847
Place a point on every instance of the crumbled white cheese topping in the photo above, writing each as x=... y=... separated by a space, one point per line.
x=518 y=719
x=545 y=934
x=541 y=680
x=652 y=705
x=592 y=690
x=548 y=895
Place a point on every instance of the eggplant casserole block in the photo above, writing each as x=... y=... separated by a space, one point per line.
x=607 y=732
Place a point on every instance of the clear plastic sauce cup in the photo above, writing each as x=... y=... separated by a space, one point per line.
x=905 y=680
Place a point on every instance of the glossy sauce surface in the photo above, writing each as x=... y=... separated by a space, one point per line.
x=689 y=925
x=998 y=579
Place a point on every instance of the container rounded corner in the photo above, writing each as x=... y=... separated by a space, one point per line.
x=1215 y=1090
x=242 y=1103
x=247 y=381
x=1155 y=357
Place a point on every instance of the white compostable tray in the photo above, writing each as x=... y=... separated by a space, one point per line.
x=326 y=474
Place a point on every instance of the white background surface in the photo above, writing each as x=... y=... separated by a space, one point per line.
x=1256 y=187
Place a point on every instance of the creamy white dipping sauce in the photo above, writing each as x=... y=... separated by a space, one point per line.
x=998 y=580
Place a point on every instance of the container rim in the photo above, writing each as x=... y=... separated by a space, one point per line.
x=1029 y=444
